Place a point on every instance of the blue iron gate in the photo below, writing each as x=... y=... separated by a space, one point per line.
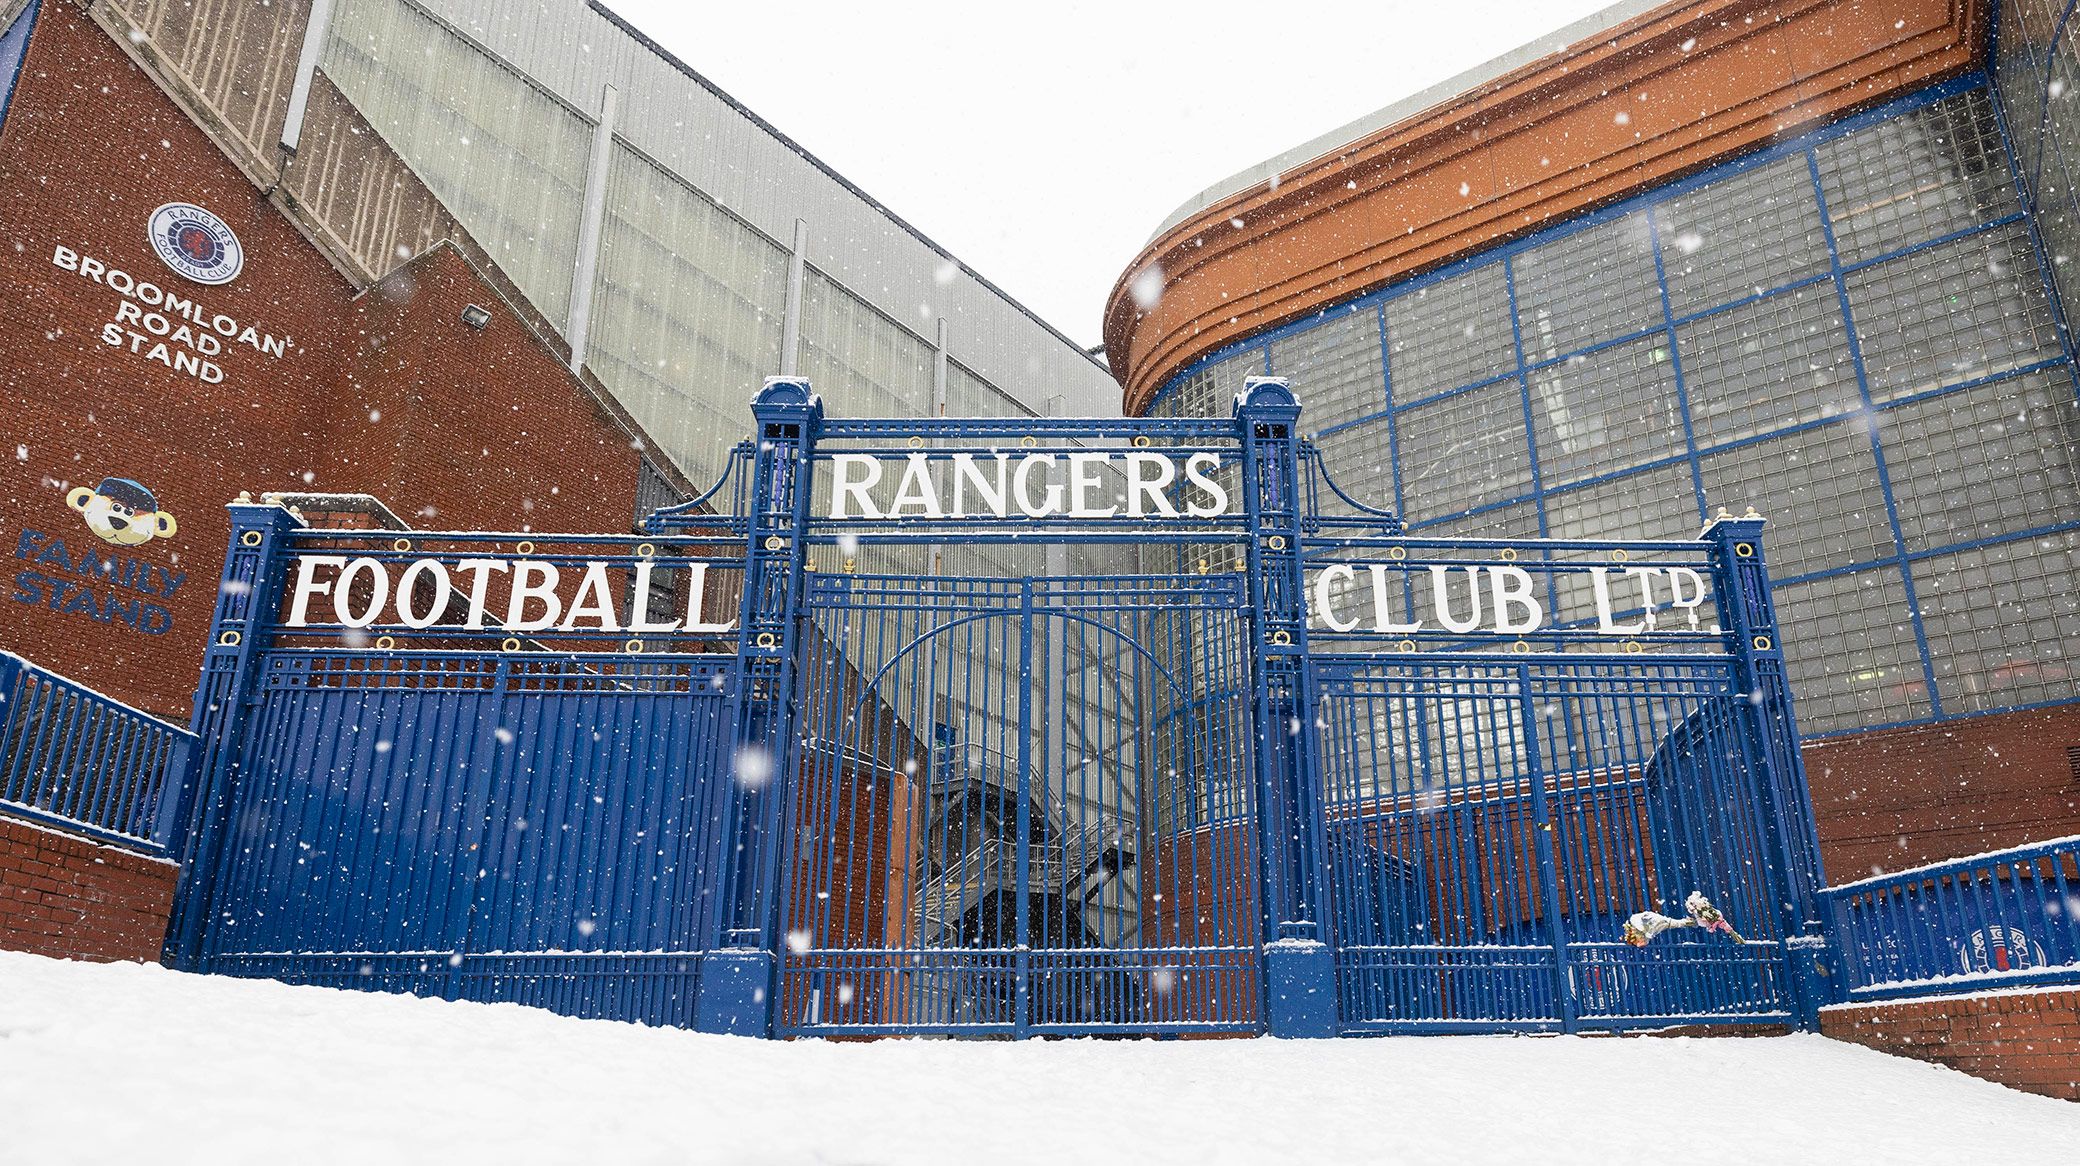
x=992 y=830
x=1020 y=726
x=1500 y=798
x=426 y=795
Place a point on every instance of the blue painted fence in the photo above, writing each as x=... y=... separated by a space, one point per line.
x=1022 y=773
x=1499 y=805
x=477 y=813
x=2009 y=918
x=75 y=759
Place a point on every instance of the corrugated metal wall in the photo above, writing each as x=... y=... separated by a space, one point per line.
x=573 y=50
x=487 y=113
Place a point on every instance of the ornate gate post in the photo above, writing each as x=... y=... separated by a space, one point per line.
x=1749 y=618
x=1299 y=969
x=239 y=631
x=738 y=975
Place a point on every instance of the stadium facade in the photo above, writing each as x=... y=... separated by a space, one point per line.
x=481 y=280
x=1811 y=258
x=1103 y=735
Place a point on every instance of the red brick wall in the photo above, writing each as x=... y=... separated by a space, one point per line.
x=2026 y=1040
x=385 y=392
x=1890 y=800
x=66 y=896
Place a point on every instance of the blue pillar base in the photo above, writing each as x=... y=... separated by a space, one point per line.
x=1814 y=982
x=736 y=993
x=1299 y=988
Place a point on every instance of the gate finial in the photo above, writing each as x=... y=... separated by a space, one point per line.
x=1259 y=393
x=787 y=391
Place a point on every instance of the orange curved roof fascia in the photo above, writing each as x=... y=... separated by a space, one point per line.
x=1695 y=81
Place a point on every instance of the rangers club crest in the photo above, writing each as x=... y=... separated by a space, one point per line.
x=195 y=243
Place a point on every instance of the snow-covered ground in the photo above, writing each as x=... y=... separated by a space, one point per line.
x=112 y=1063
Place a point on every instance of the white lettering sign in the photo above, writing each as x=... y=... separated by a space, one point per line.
x=539 y=596
x=1396 y=600
x=165 y=327
x=1071 y=484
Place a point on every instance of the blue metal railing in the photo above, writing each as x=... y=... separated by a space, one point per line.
x=73 y=758
x=2005 y=918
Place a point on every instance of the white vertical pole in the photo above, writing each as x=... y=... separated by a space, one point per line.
x=939 y=370
x=591 y=220
x=791 y=322
x=939 y=410
x=1055 y=734
x=315 y=30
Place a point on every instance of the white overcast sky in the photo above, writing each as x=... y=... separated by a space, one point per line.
x=1043 y=144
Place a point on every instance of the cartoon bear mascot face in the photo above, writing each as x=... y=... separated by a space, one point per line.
x=122 y=512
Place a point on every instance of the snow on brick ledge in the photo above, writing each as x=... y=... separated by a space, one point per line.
x=62 y=895
x=2025 y=1038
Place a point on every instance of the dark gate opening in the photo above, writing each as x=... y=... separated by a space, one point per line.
x=1005 y=810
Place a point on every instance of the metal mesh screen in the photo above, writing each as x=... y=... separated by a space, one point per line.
x=1921 y=176
x=1588 y=286
x=1750 y=368
x=1341 y=354
x=1764 y=366
x=2002 y=622
x=1850 y=650
x=1741 y=236
x=1824 y=481
x=1453 y=332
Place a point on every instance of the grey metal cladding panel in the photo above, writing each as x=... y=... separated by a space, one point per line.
x=570 y=49
x=507 y=159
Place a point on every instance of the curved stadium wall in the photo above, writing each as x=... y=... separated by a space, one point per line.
x=1851 y=331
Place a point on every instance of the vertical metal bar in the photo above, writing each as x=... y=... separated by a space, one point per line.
x=791 y=318
x=315 y=31
x=240 y=628
x=1548 y=867
x=1675 y=362
x=1023 y=844
x=1516 y=332
x=591 y=220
